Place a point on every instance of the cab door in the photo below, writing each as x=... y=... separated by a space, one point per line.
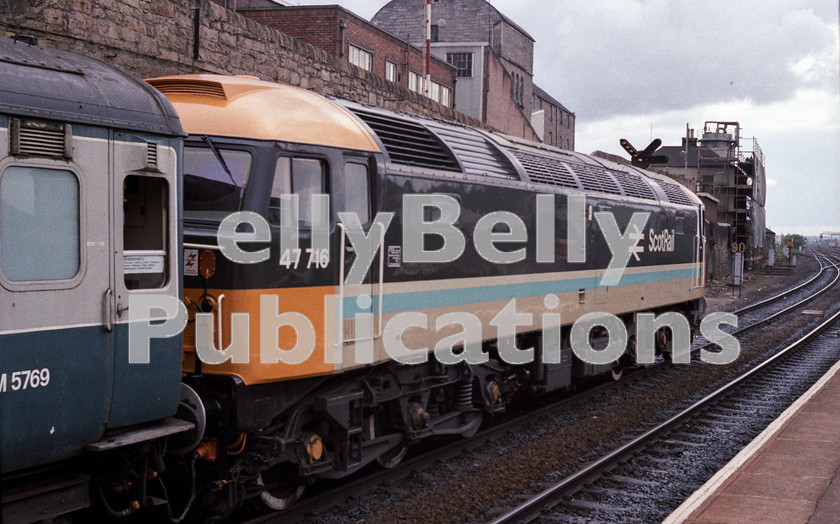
x=700 y=248
x=145 y=240
x=363 y=301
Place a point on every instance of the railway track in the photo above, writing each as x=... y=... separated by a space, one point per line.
x=331 y=494
x=642 y=480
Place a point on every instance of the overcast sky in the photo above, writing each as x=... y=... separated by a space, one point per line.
x=639 y=69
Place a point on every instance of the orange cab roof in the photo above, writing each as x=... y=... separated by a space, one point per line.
x=240 y=106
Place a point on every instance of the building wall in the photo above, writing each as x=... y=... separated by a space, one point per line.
x=319 y=26
x=559 y=125
x=469 y=94
x=156 y=37
x=506 y=115
x=466 y=20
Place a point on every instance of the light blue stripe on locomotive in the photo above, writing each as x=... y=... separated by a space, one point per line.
x=419 y=300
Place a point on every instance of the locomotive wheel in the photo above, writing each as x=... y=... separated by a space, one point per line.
x=617 y=372
x=280 y=489
x=392 y=457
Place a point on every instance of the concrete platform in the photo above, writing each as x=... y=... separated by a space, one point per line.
x=789 y=474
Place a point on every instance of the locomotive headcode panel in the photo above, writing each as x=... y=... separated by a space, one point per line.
x=325 y=240
x=89 y=207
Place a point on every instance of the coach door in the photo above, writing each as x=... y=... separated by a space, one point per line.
x=54 y=267
x=145 y=243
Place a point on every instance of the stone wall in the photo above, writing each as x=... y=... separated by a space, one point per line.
x=163 y=37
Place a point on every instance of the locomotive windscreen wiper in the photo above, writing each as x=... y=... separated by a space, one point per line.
x=222 y=162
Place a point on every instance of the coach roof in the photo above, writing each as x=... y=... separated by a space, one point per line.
x=251 y=108
x=52 y=84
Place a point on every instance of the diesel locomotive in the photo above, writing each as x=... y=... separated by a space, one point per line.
x=291 y=352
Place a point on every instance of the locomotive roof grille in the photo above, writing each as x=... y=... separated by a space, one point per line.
x=193 y=87
x=546 y=170
x=478 y=156
x=676 y=194
x=408 y=143
x=596 y=178
x=634 y=186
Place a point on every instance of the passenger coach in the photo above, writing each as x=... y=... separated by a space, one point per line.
x=89 y=202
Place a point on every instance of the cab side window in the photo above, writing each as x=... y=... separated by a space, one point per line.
x=301 y=176
x=356 y=191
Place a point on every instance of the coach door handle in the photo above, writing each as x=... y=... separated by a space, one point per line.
x=108 y=294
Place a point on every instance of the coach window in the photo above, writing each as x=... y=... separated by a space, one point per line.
x=356 y=191
x=302 y=176
x=214 y=184
x=146 y=212
x=39 y=210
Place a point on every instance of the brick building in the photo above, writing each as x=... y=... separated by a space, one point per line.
x=347 y=36
x=494 y=58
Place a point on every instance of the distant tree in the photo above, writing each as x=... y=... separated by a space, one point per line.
x=799 y=241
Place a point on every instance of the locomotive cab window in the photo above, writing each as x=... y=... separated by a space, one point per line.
x=214 y=181
x=39 y=210
x=303 y=177
x=356 y=191
x=145 y=228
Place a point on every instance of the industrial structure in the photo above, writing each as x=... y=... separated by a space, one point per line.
x=727 y=171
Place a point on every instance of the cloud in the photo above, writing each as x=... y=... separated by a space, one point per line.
x=604 y=58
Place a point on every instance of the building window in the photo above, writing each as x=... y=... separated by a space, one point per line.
x=391 y=71
x=446 y=96
x=434 y=33
x=39 y=209
x=434 y=91
x=360 y=57
x=462 y=63
x=415 y=82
